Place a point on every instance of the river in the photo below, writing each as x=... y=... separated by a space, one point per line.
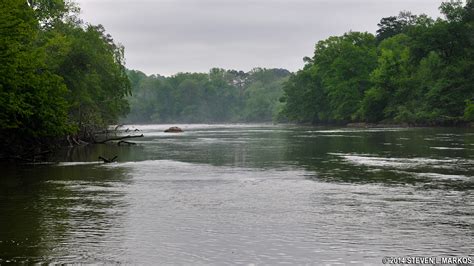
x=245 y=194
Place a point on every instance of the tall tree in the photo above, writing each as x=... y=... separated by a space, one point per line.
x=58 y=76
x=31 y=97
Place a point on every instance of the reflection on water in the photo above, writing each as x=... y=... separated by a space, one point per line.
x=62 y=214
x=245 y=194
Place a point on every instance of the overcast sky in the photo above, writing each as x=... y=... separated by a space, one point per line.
x=169 y=36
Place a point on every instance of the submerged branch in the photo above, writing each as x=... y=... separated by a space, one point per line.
x=108 y=160
x=119 y=138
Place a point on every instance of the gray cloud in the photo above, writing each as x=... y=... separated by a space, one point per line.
x=166 y=36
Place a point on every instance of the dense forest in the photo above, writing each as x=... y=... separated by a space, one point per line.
x=218 y=96
x=58 y=76
x=415 y=70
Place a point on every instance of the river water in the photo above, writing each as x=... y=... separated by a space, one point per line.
x=246 y=194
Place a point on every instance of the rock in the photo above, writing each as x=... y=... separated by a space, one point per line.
x=174 y=130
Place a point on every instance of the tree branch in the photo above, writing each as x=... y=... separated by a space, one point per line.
x=119 y=138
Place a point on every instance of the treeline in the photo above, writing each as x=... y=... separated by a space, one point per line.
x=218 y=96
x=58 y=75
x=415 y=70
x=62 y=77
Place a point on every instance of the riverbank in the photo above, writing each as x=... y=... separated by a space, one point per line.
x=383 y=125
x=39 y=149
x=402 y=125
x=388 y=125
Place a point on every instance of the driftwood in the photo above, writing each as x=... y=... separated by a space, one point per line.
x=75 y=140
x=115 y=131
x=108 y=160
x=119 y=138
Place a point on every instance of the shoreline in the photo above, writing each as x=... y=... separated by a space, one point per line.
x=407 y=125
x=327 y=124
x=387 y=125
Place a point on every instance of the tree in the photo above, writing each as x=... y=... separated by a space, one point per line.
x=453 y=10
x=469 y=111
x=50 y=13
x=57 y=75
x=344 y=64
x=304 y=97
x=92 y=68
x=393 y=25
x=31 y=97
x=392 y=88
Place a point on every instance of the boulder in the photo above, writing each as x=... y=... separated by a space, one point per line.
x=174 y=130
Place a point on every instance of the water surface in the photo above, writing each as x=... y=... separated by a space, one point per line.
x=230 y=194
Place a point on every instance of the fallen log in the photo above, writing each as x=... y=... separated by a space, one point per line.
x=119 y=138
x=108 y=160
x=75 y=141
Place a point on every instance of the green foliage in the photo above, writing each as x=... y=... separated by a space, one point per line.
x=453 y=10
x=57 y=76
x=418 y=71
x=51 y=13
x=373 y=104
x=469 y=111
x=345 y=64
x=332 y=84
x=392 y=76
x=391 y=26
x=218 y=96
x=31 y=97
x=92 y=68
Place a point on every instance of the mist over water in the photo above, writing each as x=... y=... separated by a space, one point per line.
x=241 y=194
